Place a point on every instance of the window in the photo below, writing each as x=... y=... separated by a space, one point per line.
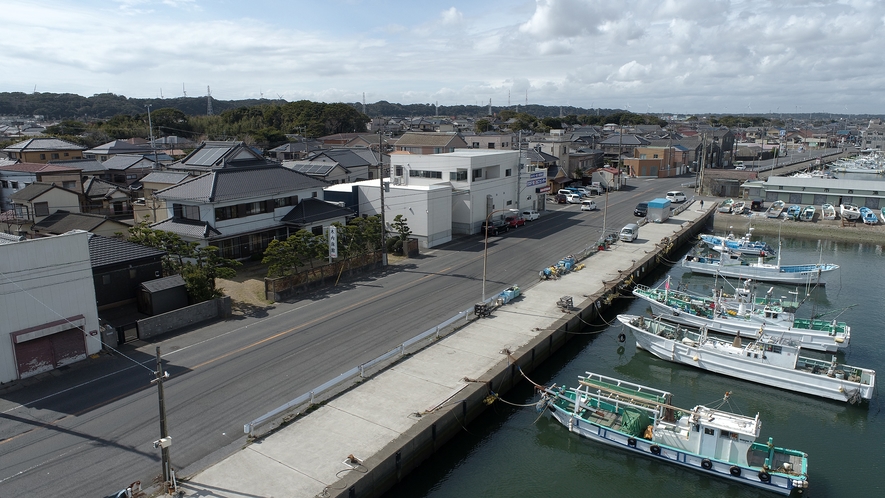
x=131 y=177
x=491 y=145
x=417 y=173
x=41 y=209
x=66 y=154
x=69 y=184
x=508 y=172
x=16 y=185
x=286 y=201
x=42 y=156
x=655 y=156
x=4 y=184
x=254 y=208
x=55 y=155
x=314 y=194
x=317 y=230
x=477 y=173
x=399 y=171
x=182 y=211
x=708 y=431
x=643 y=156
x=475 y=145
x=225 y=213
x=458 y=176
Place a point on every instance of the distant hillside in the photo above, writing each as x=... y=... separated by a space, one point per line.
x=58 y=106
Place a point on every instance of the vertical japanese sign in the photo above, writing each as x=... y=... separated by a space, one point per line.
x=333 y=242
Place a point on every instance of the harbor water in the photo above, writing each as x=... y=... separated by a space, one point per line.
x=515 y=451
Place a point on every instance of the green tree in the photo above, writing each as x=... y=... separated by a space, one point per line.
x=482 y=125
x=198 y=266
x=67 y=127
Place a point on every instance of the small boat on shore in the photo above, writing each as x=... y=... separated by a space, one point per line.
x=868 y=216
x=775 y=209
x=739 y=207
x=767 y=360
x=794 y=211
x=744 y=314
x=641 y=419
x=849 y=212
x=828 y=211
x=725 y=206
x=808 y=213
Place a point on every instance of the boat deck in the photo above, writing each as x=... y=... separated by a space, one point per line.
x=759 y=452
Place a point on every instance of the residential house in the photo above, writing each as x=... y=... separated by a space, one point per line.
x=338 y=139
x=61 y=221
x=89 y=168
x=114 y=147
x=212 y=155
x=38 y=200
x=54 y=321
x=294 y=151
x=326 y=170
x=15 y=177
x=429 y=143
x=148 y=207
x=236 y=208
x=119 y=268
x=106 y=199
x=43 y=150
x=491 y=140
x=359 y=164
x=654 y=162
x=314 y=215
x=126 y=169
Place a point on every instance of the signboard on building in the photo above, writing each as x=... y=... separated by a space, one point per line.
x=333 y=242
x=543 y=190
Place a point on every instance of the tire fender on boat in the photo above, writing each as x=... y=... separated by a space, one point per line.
x=764 y=476
x=655 y=449
x=735 y=471
x=622 y=337
x=706 y=464
x=631 y=442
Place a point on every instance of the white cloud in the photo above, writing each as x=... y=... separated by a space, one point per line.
x=451 y=17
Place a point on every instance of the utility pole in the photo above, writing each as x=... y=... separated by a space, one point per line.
x=164 y=442
x=381 y=179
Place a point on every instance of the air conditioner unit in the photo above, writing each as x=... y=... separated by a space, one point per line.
x=397 y=180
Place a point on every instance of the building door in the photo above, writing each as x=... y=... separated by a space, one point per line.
x=48 y=352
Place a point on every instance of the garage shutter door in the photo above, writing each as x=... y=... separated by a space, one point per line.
x=48 y=352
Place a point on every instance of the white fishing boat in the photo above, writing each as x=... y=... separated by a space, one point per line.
x=808 y=213
x=641 y=419
x=767 y=360
x=849 y=212
x=744 y=314
x=729 y=264
x=725 y=206
x=828 y=211
x=775 y=209
x=742 y=245
x=739 y=207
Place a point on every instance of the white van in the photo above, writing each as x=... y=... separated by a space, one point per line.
x=629 y=233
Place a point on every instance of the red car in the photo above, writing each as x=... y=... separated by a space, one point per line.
x=514 y=221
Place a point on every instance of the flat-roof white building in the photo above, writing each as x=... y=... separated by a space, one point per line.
x=441 y=195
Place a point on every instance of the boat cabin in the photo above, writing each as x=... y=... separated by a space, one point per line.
x=714 y=433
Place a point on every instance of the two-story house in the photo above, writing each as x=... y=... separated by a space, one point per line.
x=15 y=177
x=114 y=147
x=38 y=200
x=126 y=169
x=429 y=143
x=43 y=150
x=238 y=209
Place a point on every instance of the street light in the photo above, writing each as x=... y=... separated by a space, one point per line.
x=485 y=252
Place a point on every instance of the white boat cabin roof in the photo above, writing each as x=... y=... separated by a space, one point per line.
x=710 y=417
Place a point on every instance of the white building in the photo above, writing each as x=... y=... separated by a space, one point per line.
x=50 y=317
x=445 y=194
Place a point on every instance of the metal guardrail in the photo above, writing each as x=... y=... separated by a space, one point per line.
x=279 y=415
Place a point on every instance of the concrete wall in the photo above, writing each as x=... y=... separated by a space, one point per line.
x=184 y=317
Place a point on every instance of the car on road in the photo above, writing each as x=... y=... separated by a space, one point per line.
x=514 y=220
x=573 y=198
x=530 y=214
x=587 y=205
x=676 y=196
x=561 y=198
x=641 y=209
x=495 y=227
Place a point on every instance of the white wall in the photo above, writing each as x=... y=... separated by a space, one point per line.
x=427 y=209
x=45 y=280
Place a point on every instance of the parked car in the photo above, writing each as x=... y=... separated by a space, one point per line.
x=641 y=209
x=676 y=196
x=495 y=227
x=573 y=199
x=583 y=192
x=530 y=214
x=587 y=205
x=561 y=198
x=514 y=220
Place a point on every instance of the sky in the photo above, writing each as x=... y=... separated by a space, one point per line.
x=665 y=56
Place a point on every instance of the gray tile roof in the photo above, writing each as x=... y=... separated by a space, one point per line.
x=105 y=251
x=230 y=184
x=122 y=162
x=43 y=144
x=31 y=192
x=118 y=147
x=87 y=166
x=210 y=155
x=169 y=177
x=312 y=168
x=187 y=228
x=62 y=222
x=161 y=284
x=95 y=188
x=312 y=210
x=430 y=139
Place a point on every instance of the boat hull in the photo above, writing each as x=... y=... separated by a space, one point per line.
x=786 y=274
x=748 y=475
x=724 y=359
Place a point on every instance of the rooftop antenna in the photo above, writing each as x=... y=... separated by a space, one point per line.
x=526 y=98
x=508 y=98
x=35 y=88
x=364 y=102
x=208 y=101
x=490 y=107
x=261 y=93
x=183 y=90
x=437 y=108
x=161 y=92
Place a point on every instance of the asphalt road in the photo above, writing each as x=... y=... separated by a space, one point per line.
x=88 y=431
